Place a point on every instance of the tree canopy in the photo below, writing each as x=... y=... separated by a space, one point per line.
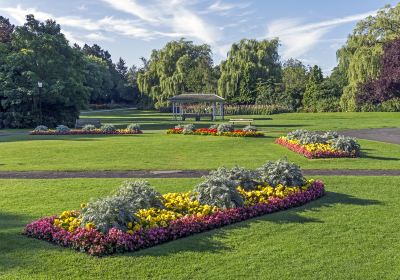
x=179 y=67
x=249 y=62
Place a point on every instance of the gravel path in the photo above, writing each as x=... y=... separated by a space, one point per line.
x=389 y=135
x=175 y=173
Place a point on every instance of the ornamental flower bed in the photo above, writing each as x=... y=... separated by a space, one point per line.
x=87 y=130
x=313 y=145
x=179 y=215
x=214 y=131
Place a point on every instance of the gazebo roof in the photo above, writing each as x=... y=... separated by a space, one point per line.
x=196 y=97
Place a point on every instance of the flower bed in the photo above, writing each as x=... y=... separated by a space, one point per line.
x=86 y=132
x=313 y=145
x=214 y=132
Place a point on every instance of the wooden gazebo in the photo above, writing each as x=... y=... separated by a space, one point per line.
x=179 y=103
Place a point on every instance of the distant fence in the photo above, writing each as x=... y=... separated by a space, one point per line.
x=235 y=109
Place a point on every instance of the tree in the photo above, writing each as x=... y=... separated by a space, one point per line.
x=249 y=62
x=40 y=52
x=179 y=67
x=6 y=29
x=387 y=85
x=294 y=80
x=312 y=92
x=121 y=68
x=360 y=57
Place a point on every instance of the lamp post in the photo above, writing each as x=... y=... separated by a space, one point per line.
x=40 y=85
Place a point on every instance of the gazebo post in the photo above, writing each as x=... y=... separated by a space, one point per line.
x=222 y=110
x=213 y=110
x=173 y=110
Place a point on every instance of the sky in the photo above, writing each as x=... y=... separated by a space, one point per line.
x=308 y=30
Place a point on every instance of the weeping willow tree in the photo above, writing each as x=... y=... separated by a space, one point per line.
x=249 y=62
x=360 y=57
x=179 y=67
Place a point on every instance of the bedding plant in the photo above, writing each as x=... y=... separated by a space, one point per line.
x=222 y=129
x=136 y=216
x=316 y=145
x=87 y=129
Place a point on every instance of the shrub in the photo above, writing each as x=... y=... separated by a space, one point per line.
x=62 y=128
x=218 y=191
x=245 y=178
x=391 y=105
x=107 y=213
x=281 y=172
x=140 y=195
x=297 y=134
x=133 y=127
x=88 y=127
x=347 y=144
x=225 y=127
x=108 y=128
x=311 y=138
x=41 y=128
x=188 y=128
x=250 y=128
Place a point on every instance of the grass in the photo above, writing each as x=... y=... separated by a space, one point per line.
x=156 y=150
x=161 y=151
x=351 y=233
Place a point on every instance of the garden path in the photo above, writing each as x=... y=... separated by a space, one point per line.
x=389 y=135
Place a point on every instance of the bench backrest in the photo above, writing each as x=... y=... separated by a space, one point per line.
x=82 y=122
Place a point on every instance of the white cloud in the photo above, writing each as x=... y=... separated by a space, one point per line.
x=298 y=38
x=131 y=7
x=219 y=6
x=98 y=36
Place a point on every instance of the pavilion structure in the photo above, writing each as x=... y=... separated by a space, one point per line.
x=189 y=105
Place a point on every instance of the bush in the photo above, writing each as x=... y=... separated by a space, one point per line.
x=329 y=135
x=140 y=195
x=108 y=128
x=189 y=128
x=391 y=105
x=245 y=178
x=133 y=127
x=41 y=128
x=347 y=144
x=250 y=128
x=225 y=127
x=107 y=213
x=297 y=134
x=257 y=109
x=281 y=172
x=62 y=128
x=88 y=127
x=218 y=191
x=179 y=126
x=214 y=126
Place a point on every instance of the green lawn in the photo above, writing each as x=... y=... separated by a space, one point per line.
x=161 y=151
x=351 y=233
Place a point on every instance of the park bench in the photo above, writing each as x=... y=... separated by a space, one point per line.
x=245 y=121
x=197 y=117
x=82 y=122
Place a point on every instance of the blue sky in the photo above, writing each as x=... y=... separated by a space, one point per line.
x=309 y=30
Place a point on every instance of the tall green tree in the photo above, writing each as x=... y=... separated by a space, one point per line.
x=249 y=62
x=360 y=57
x=312 y=92
x=294 y=80
x=6 y=29
x=179 y=67
x=39 y=52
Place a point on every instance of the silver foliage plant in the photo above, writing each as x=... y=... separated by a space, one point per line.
x=347 y=144
x=133 y=127
x=188 y=128
x=108 y=128
x=118 y=210
x=281 y=172
x=62 y=128
x=140 y=195
x=250 y=128
x=88 y=127
x=225 y=127
x=243 y=177
x=41 y=128
x=179 y=126
x=218 y=191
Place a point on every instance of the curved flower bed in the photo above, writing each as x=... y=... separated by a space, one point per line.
x=86 y=132
x=313 y=150
x=214 y=132
x=63 y=230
